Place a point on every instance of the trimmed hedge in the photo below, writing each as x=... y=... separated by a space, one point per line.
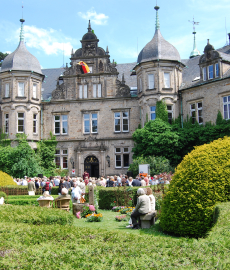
x=3 y=194
x=23 y=190
x=6 y=179
x=200 y=180
x=35 y=215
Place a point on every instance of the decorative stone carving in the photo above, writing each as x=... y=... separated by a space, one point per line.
x=123 y=90
x=59 y=92
x=90 y=49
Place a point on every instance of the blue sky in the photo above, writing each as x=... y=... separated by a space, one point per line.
x=126 y=26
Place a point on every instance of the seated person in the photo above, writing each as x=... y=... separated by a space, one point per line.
x=76 y=193
x=64 y=195
x=152 y=199
x=46 y=196
x=142 y=208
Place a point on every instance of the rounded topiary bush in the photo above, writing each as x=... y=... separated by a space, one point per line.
x=6 y=179
x=200 y=180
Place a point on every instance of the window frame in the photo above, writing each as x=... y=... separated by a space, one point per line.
x=7 y=90
x=34 y=94
x=61 y=122
x=170 y=111
x=35 y=123
x=151 y=82
x=91 y=118
x=120 y=156
x=97 y=90
x=165 y=80
x=152 y=112
x=62 y=157
x=21 y=119
x=140 y=85
x=217 y=70
x=121 y=119
x=227 y=104
x=6 y=123
x=198 y=112
x=210 y=72
x=204 y=74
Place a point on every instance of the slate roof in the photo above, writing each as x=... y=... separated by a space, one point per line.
x=21 y=59
x=131 y=81
x=50 y=81
x=158 y=48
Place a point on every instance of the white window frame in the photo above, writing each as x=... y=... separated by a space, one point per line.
x=21 y=89
x=217 y=70
x=120 y=152
x=170 y=110
x=167 y=82
x=35 y=123
x=210 y=72
x=204 y=74
x=97 y=90
x=197 y=109
x=85 y=90
x=152 y=110
x=140 y=84
x=91 y=69
x=91 y=118
x=122 y=119
x=80 y=91
x=150 y=81
x=63 y=124
x=62 y=155
x=34 y=90
x=226 y=104
x=6 y=123
x=7 y=90
x=20 y=118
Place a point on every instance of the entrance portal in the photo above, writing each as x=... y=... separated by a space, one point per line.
x=91 y=165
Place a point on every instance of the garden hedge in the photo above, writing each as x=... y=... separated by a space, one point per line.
x=200 y=180
x=3 y=194
x=23 y=190
x=6 y=179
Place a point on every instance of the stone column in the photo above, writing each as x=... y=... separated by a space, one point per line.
x=91 y=195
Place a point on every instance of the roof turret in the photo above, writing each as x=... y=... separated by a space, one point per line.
x=158 y=47
x=21 y=58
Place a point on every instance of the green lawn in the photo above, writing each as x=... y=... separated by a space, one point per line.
x=108 y=245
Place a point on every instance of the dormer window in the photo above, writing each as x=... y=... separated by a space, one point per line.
x=217 y=70
x=210 y=72
x=204 y=74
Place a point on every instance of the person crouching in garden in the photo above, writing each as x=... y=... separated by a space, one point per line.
x=142 y=208
x=76 y=193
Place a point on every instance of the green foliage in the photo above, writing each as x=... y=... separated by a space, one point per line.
x=3 y=194
x=219 y=119
x=61 y=172
x=5 y=180
x=35 y=215
x=156 y=138
x=200 y=180
x=161 y=111
x=157 y=165
x=2 y=57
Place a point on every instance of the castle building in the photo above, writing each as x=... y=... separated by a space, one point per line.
x=93 y=115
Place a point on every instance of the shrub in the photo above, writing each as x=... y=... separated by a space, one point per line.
x=200 y=180
x=35 y=215
x=3 y=194
x=6 y=179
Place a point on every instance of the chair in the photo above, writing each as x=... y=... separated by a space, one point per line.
x=62 y=204
x=45 y=203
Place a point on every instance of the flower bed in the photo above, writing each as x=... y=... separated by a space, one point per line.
x=121 y=218
x=127 y=210
x=94 y=217
x=87 y=210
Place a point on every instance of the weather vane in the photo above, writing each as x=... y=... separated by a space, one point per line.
x=194 y=23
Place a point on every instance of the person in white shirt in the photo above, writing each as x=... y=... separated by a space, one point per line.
x=76 y=193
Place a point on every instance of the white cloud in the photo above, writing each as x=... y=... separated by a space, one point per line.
x=48 y=40
x=99 y=19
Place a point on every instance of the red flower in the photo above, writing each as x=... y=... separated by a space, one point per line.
x=114 y=201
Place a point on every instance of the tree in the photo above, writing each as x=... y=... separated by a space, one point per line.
x=155 y=138
x=161 y=111
x=2 y=56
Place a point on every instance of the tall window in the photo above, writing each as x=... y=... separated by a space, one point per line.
x=90 y=123
x=204 y=74
x=83 y=91
x=166 y=79
x=121 y=157
x=140 y=84
x=153 y=112
x=196 y=112
x=21 y=89
x=151 y=81
x=60 y=124
x=21 y=121
x=34 y=90
x=80 y=91
x=96 y=90
x=7 y=90
x=121 y=121
x=210 y=72
x=6 y=126
x=61 y=158
x=217 y=70
x=35 y=123
x=170 y=113
x=226 y=103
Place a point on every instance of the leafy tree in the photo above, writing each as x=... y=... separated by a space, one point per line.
x=2 y=56
x=161 y=111
x=156 y=138
x=157 y=165
x=219 y=118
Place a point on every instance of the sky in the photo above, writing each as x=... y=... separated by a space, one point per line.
x=53 y=27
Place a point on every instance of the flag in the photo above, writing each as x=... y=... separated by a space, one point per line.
x=84 y=66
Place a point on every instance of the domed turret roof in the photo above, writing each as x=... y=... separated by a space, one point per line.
x=208 y=47
x=21 y=58
x=158 y=47
x=90 y=34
